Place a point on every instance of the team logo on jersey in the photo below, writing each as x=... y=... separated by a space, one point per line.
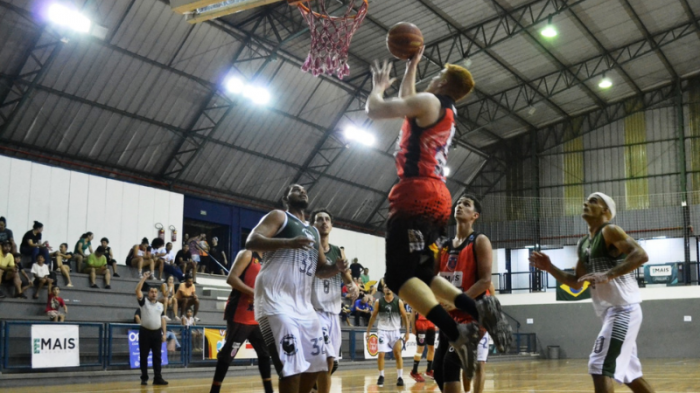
x=416 y=242
x=373 y=344
x=387 y=309
x=452 y=262
x=598 y=346
x=326 y=337
x=289 y=345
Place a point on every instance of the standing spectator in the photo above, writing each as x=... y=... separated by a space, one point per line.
x=183 y=258
x=186 y=296
x=203 y=247
x=168 y=299
x=60 y=256
x=104 y=242
x=158 y=254
x=97 y=265
x=140 y=256
x=217 y=255
x=365 y=276
x=362 y=309
x=80 y=251
x=356 y=268
x=8 y=270
x=193 y=246
x=152 y=332
x=31 y=243
x=189 y=320
x=6 y=235
x=41 y=273
x=54 y=304
x=170 y=268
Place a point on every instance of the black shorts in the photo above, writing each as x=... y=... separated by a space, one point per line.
x=447 y=367
x=425 y=337
x=111 y=262
x=236 y=335
x=407 y=250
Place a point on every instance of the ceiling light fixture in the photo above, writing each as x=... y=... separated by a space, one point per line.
x=605 y=83
x=549 y=31
x=356 y=134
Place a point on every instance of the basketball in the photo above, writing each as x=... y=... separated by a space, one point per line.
x=404 y=40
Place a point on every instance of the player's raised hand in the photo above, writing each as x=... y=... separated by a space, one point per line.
x=381 y=75
x=342 y=264
x=353 y=291
x=300 y=243
x=540 y=261
x=413 y=61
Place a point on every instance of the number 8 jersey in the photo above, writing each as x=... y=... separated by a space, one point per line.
x=326 y=295
x=283 y=285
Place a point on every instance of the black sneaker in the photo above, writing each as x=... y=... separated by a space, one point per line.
x=380 y=381
x=494 y=321
x=115 y=275
x=399 y=381
x=160 y=381
x=466 y=345
x=144 y=382
x=108 y=287
x=94 y=286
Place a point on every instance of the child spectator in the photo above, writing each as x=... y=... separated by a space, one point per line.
x=41 y=273
x=80 y=251
x=97 y=265
x=32 y=245
x=53 y=306
x=60 y=256
x=104 y=242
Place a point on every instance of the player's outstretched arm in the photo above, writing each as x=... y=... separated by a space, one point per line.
x=326 y=270
x=541 y=261
x=404 y=318
x=241 y=262
x=373 y=317
x=408 y=85
x=617 y=239
x=262 y=239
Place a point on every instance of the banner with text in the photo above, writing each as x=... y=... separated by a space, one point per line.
x=134 y=352
x=371 y=345
x=214 y=340
x=55 y=346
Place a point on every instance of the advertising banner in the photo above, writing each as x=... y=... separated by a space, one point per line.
x=215 y=339
x=134 y=353
x=371 y=345
x=55 y=346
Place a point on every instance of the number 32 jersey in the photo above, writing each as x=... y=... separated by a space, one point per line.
x=283 y=285
x=326 y=295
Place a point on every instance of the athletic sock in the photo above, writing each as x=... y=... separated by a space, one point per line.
x=381 y=373
x=215 y=388
x=219 y=375
x=399 y=372
x=415 y=366
x=268 y=386
x=430 y=366
x=467 y=304
x=444 y=321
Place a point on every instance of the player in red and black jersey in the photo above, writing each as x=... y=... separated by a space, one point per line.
x=420 y=203
x=241 y=325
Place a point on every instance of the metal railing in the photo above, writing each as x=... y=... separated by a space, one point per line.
x=118 y=338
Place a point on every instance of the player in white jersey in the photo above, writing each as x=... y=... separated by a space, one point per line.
x=607 y=259
x=391 y=312
x=327 y=298
x=291 y=259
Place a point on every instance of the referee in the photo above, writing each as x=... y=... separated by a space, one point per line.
x=151 y=332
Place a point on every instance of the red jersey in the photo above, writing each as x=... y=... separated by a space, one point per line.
x=458 y=265
x=54 y=303
x=423 y=324
x=239 y=306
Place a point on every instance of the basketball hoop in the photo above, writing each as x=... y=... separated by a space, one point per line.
x=330 y=37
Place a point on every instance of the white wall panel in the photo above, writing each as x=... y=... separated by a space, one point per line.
x=71 y=203
x=177 y=208
x=368 y=249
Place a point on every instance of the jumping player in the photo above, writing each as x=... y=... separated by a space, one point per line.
x=425 y=335
x=327 y=299
x=239 y=315
x=465 y=261
x=391 y=312
x=283 y=288
x=607 y=258
x=420 y=204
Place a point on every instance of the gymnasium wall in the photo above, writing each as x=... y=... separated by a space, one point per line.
x=368 y=249
x=70 y=203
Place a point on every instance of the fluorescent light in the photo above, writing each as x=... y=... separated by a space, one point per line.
x=549 y=31
x=446 y=171
x=359 y=135
x=64 y=16
x=605 y=83
x=235 y=85
x=258 y=95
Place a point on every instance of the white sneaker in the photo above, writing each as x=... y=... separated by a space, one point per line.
x=196 y=319
x=167 y=318
x=140 y=274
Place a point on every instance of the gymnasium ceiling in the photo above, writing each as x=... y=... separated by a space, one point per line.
x=146 y=104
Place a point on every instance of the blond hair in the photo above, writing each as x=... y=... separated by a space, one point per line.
x=459 y=81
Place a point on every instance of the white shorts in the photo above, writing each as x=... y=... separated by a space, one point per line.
x=296 y=345
x=387 y=339
x=330 y=325
x=195 y=257
x=482 y=350
x=615 y=351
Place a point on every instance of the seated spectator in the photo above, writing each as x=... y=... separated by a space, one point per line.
x=171 y=339
x=7 y=235
x=171 y=269
x=140 y=256
x=31 y=243
x=168 y=299
x=104 y=242
x=355 y=268
x=158 y=254
x=8 y=270
x=380 y=285
x=60 y=256
x=188 y=318
x=97 y=265
x=345 y=314
x=41 y=274
x=54 y=304
x=187 y=296
x=183 y=258
x=365 y=275
x=217 y=258
x=362 y=309
x=80 y=251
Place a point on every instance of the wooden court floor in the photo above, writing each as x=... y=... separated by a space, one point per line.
x=565 y=376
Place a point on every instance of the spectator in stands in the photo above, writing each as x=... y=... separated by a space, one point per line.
x=158 y=254
x=168 y=290
x=8 y=270
x=355 y=268
x=183 y=258
x=104 y=242
x=203 y=248
x=97 y=265
x=152 y=333
x=193 y=246
x=362 y=309
x=80 y=251
x=41 y=274
x=186 y=296
x=6 y=235
x=188 y=320
x=54 y=304
x=216 y=255
x=140 y=256
x=171 y=269
x=32 y=245
x=365 y=276
x=345 y=314
x=60 y=256
x=380 y=285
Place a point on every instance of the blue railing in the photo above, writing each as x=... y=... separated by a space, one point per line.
x=118 y=351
